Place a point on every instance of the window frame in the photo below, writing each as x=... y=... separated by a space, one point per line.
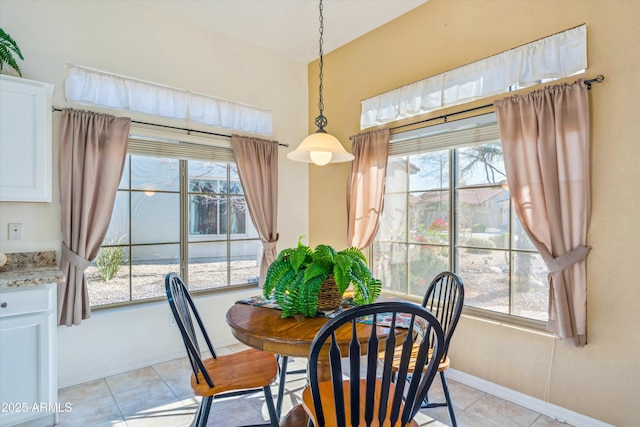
x=452 y=245
x=155 y=147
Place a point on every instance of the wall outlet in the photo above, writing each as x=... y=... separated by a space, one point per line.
x=15 y=231
x=172 y=320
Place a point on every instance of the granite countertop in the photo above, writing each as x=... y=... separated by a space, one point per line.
x=30 y=269
x=30 y=277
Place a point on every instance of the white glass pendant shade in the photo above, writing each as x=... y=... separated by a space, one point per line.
x=320 y=158
x=320 y=148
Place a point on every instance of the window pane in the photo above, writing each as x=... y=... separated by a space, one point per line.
x=211 y=173
x=481 y=164
x=234 y=185
x=155 y=218
x=149 y=266
x=250 y=228
x=244 y=261
x=381 y=265
x=391 y=266
x=203 y=186
x=485 y=274
x=396 y=180
x=124 y=181
x=520 y=238
x=393 y=221
x=222 y=206
x=429 y=217
x=108 y=276
x=425 y=262
x=531 y=288
x=208 y=265
x=239 y=217
x=429 y=171
x=482 y=217
x=204 y=215
x=118 y=231
x=155 y=174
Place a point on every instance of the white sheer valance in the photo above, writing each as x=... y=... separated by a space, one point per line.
x=557 y=56
x=93 y=87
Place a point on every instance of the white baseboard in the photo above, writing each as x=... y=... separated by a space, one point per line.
x=549 y=409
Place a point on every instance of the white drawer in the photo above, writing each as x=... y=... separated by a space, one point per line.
x=24 y=301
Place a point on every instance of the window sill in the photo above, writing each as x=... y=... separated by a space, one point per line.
x=502 y=319
x=489 y=316
x=195 y=294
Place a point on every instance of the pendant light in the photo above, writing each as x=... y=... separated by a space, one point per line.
x=320 y=147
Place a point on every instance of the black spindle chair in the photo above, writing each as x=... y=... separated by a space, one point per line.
x=376 y=397
x=228 y=374
x=444 y=298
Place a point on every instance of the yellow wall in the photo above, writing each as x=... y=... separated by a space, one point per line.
x=601 y=380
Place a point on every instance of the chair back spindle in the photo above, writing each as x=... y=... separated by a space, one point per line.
x=382 y=397
x=444 y=299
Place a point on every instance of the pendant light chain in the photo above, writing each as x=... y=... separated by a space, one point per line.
x=321 y=120
x=320 y=147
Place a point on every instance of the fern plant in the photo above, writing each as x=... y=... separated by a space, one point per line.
x=9 y=47
x=296 y=276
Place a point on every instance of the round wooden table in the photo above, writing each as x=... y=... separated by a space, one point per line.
x=264 y=329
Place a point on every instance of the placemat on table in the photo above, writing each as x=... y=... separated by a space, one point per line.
x=261 y=301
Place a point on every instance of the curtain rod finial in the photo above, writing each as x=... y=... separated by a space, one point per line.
x=598 y=79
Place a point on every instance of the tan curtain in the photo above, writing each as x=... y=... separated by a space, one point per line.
x=365 y=189
x=545 y=140
x=92 y=151
x=257 y=161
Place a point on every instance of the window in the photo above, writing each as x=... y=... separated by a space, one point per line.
x=447 y=206
x=174 y=214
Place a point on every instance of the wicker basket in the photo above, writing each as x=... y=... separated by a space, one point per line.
x=329 y=298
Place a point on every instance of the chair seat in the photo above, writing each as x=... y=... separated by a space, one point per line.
x=326 y=391
x=244 y=370
x=444 y=363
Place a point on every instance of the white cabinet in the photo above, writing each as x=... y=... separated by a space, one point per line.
x=25 y=140
x=28 y=363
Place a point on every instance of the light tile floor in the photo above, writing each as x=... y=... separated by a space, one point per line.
x=160 y=396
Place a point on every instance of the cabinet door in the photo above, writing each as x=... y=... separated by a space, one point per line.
x=25 y=140
x=24 y=371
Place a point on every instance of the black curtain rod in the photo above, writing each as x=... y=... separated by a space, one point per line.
x=599 y=78
x=189 y=131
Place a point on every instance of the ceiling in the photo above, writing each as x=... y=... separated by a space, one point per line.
x=287 y=27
